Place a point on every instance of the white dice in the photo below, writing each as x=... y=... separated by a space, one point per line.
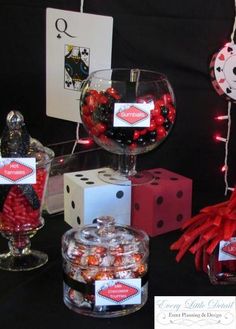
x=87 y=197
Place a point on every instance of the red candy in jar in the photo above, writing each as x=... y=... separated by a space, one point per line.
x=17 y=213
x=20 y=202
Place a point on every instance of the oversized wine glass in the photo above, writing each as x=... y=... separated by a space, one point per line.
x=21 y=204
x=127 y=112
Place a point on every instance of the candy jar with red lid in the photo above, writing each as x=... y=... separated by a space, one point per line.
x=127 y=112
x=24 y=170
x=105 y=268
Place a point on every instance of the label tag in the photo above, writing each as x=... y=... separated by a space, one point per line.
x=118 y=292
x=17 y=171
x=132 y=114
x=227 y=250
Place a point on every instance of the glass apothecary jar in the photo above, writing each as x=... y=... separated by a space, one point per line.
x=22 y=194
x=105 y=269
x=222 y=263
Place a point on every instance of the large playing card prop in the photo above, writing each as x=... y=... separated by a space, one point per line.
x=76 y=45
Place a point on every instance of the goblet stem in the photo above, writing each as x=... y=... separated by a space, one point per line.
x=127 y=164
x=125 y=172
x=19 y=245
x=20 y=257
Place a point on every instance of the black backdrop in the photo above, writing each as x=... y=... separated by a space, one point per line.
x=175 y=37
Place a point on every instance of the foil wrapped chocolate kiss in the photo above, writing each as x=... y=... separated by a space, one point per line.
x=107 y=252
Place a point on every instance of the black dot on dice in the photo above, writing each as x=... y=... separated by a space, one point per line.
x=67 y=188
x=160 y=223
x=79 y=175
x=78 y=220
x=73 y=204
x=179 y=194
x=89 y=183
x=84 y=179
x=179 y=217
x=119 y=194
x=136 y=206
x=160 y=200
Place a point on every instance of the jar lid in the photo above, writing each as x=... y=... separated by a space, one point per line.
x=106 y=239
x=16 y=141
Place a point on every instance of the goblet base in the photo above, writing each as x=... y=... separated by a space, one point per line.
x=111 y=176
x=33 y=259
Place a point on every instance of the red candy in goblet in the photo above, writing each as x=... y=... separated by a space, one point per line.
x=127 y=112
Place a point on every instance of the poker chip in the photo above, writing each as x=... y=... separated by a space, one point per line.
x=223 y=71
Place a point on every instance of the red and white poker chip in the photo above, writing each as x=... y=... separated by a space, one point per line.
x=223 y=71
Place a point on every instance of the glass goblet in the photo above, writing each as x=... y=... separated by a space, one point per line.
x=127 y=112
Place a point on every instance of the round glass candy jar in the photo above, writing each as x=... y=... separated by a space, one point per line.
x=105 y=269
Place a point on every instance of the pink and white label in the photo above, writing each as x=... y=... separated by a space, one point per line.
x=17 y=171
x=118 y=292
x=132 y=114
x=227 y=250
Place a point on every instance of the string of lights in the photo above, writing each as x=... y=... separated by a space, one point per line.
x=226 y=140
x=225 y=167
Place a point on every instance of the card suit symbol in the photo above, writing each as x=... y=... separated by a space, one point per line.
x=229 y=49
x=222 y=80
x=68 y=83
x=228 y=90
x=58 y=36
x=218 y=69
x=85 y=52
x=221 y=57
